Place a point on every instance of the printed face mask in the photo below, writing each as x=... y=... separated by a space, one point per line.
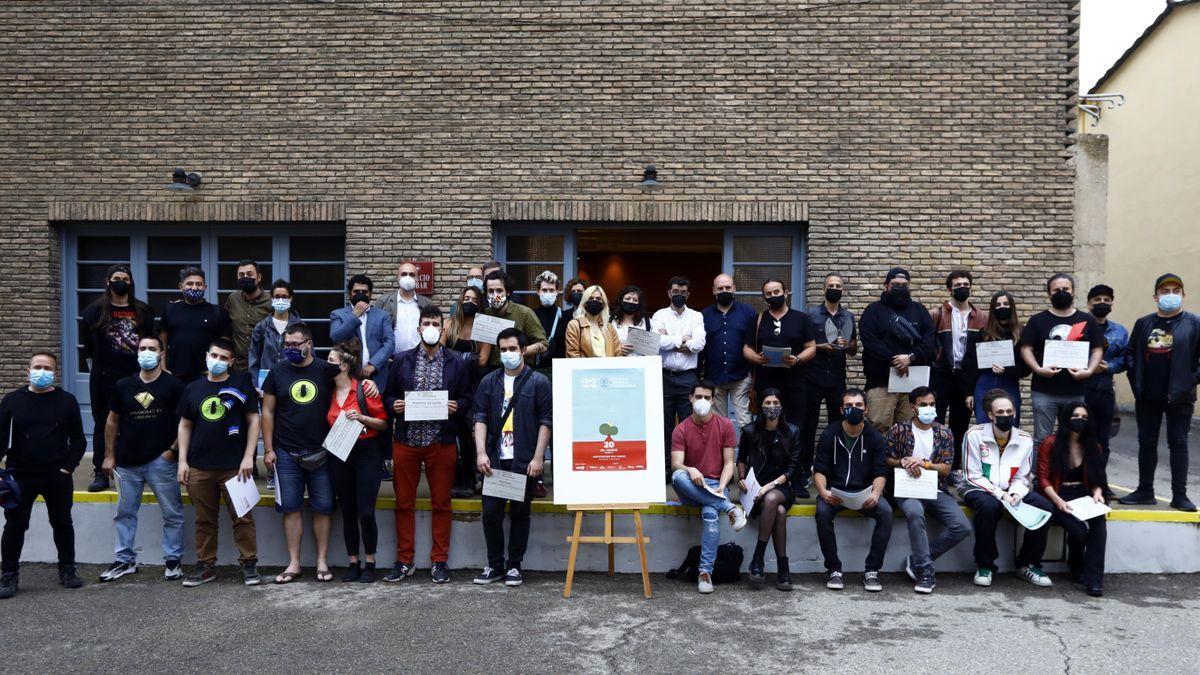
x=193 y=294
x=772 y=412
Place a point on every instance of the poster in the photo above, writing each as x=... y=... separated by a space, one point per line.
x=608 y=433
x=424 y=276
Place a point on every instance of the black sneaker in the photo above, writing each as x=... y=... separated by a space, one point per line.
x=513 y=577
x=756 y=571
x=801 y=492
x=173 y=570
x=353 y=573
x=1182 y=503
x=203 y=574
x=1140 y=497
x=783 y=575
x=488 y=575
x=462 y=491
x=8 y=585
x=368 y=574
x=250 y=575
x=440 y=573
x=926 y=584
x=1095 y=591
x=68 y=578
x=99 y=482
x=117 y=570
x=400 y=572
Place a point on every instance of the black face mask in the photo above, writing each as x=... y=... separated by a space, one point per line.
x=1004 y=422
x=776 y=301
x=593 y=307
x=1062 y=299
x=724 y=298
x=576 y=297
x=854 y=416
x=833 y=295
x=359 y=297
x=629 y=307
x=247 y=284
x=1003 y=313
x=1101 y=310
x=678 y=301
x=1077 y=425
x=897 y=297
x=961 y=293
x=119 y=287
x=469 y=308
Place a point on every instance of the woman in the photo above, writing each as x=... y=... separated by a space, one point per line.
x=1002 y=324
x=266 y=340
x=1071 y=466
x=781 y=327
x=590 y=333
x=573 y=294
x=771 y=447
x=356 y=480
x=457 y=337
x=111 y=327
x=630 y=312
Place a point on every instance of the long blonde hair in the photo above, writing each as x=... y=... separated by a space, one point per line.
x=580 y=312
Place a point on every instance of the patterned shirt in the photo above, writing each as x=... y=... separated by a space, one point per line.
x=428 y=377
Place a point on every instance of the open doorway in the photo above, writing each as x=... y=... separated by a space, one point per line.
x=646 y=257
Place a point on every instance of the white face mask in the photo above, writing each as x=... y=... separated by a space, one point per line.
x=430 y=335
x=407 y=283
x=548 y=299
x=510 y=360
x=927 y=414
x=702 y=406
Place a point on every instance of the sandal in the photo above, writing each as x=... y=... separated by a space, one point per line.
x=286 y=577
x=324 y=576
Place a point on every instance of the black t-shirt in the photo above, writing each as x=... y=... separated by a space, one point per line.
x=1159 y=344
x=1046 y=326
x=217 y=411
x=113 y=346
x=149 y=414
x=190 y=330
x=301 y=401
x=794 y=331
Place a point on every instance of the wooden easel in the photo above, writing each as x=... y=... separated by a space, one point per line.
x=608 y=538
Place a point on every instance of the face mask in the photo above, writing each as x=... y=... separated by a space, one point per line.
x=407 y=284
x=678 y=301
x=216 y=367
x=547 y=299
x=40 y=378
x=193 y=294
x=629 y=307
x=1101 y=310
x=927 y=414
x=511 y=360
x=1170 y=302
x=469 y=309
x=119 y=287
x=293 y=355
x=776 y=301
x=359 y=297
x=576 y=298
x=772 y=412
x=961 y=293
x=897 y=297
x=431 y=335
x=1062 y=299
x=833 y=295
x=475 y=283
x=724 y=298
x=497 y=301
x=1077 y=425
x=854 y=416
x=148 y=360
x=593 y=307
x=1003 y=422
x=1003 y=313
x=247 y=284
x=281 y=305
x=702 y=407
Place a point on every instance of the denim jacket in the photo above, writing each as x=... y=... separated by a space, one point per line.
x=532 y=409
x=1116 y=355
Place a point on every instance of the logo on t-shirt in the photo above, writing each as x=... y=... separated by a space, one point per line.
x=1068 y=332
x=145 y=399
x=213 y=409
x=303 y=391
x=1160 y=341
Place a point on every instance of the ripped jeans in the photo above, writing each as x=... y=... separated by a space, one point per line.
x=711 y=509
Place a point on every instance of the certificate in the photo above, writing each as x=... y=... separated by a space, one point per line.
x=644 y=342
x=775 y=356
x=1030 y=517
x=1086 y=508
x=342 y=436
x=832 y=332
x=243 y=494
x=426 y=406
x=1066 y=354
x=995 y=353
x=906 y=486
x=486 y=327
x=918 y=376
x=505 y=485
x=853 y=501
x=751 y=491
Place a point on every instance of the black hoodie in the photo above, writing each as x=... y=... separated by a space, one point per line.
x=850 y=469
x=883 y=336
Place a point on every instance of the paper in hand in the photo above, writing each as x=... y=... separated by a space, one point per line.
x=1086 y=508
x=751 y=491
x=243 y=493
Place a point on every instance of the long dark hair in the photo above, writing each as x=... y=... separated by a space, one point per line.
x=143 y=316
x=994 y=331
x=615 y=311
x=1093 y=457
x=785 y=434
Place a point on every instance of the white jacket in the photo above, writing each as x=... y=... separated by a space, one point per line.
x=985 y=468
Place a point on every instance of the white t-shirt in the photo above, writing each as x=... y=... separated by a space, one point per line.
x=922 y=443
x=280 y=324
x=506 y=428
x=958 y=327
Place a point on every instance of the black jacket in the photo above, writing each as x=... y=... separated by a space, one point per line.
x=782 y=458
x=883 y=335
x=850 y=469
x=532 y=406
x=455 y=380
x=46 y=430
x=1185 y=357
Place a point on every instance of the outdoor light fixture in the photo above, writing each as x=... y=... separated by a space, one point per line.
x=184 y=181
x=650 y=178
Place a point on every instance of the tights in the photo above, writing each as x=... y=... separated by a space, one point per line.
x=772 y=524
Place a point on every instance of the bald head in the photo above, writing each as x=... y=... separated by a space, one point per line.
x=723 y=282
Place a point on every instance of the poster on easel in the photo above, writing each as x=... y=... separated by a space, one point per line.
x=608 y=431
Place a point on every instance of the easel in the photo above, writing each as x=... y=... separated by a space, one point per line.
x=608 y=538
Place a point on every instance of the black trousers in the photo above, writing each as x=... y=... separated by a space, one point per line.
x=1085 y=540
x=952 y=404
x=1150 y=413
x=677 y=388
x=816 y=395
x=988 y=510
x=57 y=489
x=464 y=470
x=881 y=513
x=1103 y=404
x=100 y=385
x=518 y=530
x=356 y=486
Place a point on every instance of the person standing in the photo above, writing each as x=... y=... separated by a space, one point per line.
x=681 y=339
x=110 y=328
x=771 y=448
x=573 y=295
x=1099 y=392
x=246 y=308
x=475 y=278
x=266 y=340
x=404 y=311
x=499 y=287
x=727 y=326
x=42 y=442
x=836 y=335
x=897 y=333
x=140 y=433
x=958 y=326
x=630 y=312
x=189 y=326
x=457 y=338
x=1164 y=368
x=1003 y=323
x=371 y=326
x=589 y=333
x=554 y=322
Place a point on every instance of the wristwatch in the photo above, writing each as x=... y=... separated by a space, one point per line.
x=926 y=464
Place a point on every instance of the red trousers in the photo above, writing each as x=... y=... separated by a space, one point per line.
x=439 y=461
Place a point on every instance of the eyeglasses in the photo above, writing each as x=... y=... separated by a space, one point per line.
x=295 y=345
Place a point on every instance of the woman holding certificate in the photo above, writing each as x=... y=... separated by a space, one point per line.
x=590 y=333
x=1003 y=326
x=1071 y=476
x=768 y=459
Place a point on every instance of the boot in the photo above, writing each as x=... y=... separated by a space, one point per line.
x=783 y=575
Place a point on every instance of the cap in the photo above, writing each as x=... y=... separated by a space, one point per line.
x=1167 y=278
x=1101 y=289
x=896 y=272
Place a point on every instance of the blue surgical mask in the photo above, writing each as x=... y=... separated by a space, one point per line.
x=510 y=360
x=1170 y=302
x=216 y=367
x=193 y=294
x=281 y=305
x=148 y=360
x=41 y=378
x=927 y=414
x=548 y=299
x=475 y=283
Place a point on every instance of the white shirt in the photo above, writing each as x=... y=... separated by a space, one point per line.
x=280 y=324
x=506 y=437
x=408 y=317
x=362 y=336
x=922 y=443
x=958 y=328
x=687 y=322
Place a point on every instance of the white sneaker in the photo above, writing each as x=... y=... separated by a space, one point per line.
x=983 y=577
x=737 y=518
x=908 y=569
x=118 y=570
x=834 y=582
x=1034 y=575
x=704 y=584
x=871 y=582
x=173 y=570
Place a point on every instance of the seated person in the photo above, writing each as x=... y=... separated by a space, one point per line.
x=771 y=447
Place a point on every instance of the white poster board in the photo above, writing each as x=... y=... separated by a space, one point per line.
x=608 y=431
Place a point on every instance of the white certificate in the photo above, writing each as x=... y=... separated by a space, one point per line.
x=278 y=489
x=243 y=494
x=918 y=376
x=995 y=353
x=505 y=485
x=1030 y=517
x=644 y=342
x=1086 y=508
x=426 y=406
x=908 y=487
x=486 y=327
x=751 y=491
x=1066 y=354
x=853 y=501
x=342 y=436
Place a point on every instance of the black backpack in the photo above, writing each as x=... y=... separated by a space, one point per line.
x=727 y=568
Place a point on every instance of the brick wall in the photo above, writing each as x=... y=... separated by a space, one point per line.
x=920 y=132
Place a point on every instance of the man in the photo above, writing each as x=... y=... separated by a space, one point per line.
x=850 y=458
x=371 y=325
x=246 y=307
x=926 y=445
x=1099 y=392
x=500 y=288
x=897 y=333
x=489 y=267
x=475 y=277
x=403 y=308
x=1053 y=388
x=958 y=325
x=513 y=414
x=1163 y=371
x=188 y=326
x=553 y=319
x=998 y=469
x=41 y=437
x=825 y=376
x=218 y=437
x=296 y=397
x=681 y=339
x=430 y=367
x=727 y=325
x=702 y=453
x=140 y=433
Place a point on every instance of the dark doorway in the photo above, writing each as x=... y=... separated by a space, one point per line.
x=647 y=257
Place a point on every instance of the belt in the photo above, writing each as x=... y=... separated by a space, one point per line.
x=686 y=371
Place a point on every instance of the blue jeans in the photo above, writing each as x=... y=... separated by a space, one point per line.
x=163 y=478
x=989 y=380
x=711 y=509
x=945 y=510
x=292 y=480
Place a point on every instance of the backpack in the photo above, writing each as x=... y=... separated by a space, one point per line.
x=727 y=568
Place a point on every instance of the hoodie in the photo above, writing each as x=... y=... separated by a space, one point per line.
x=854 y=468
x=886 y=331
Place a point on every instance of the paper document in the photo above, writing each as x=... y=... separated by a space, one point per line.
x=505 y=485
x=1066 y=354
x=1030 y=517
x=644 y=342
x=832 y=332
x=342 y=437
x=906 y=486
x=486 y=327
x=918 y=376
x=995 y=353
x=278 y=489
x=713 y=490
x=262 y=376
x=775 y=356
x=243 y=494
x=426 y=406
x=751 y=491
x=1086 y=508
x=852 y=500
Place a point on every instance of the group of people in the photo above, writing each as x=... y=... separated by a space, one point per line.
x=184 y=401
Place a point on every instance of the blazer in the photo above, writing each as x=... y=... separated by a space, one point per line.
x=579 y=339
x=381 y=339
x=456 y=380
x=387 y=303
